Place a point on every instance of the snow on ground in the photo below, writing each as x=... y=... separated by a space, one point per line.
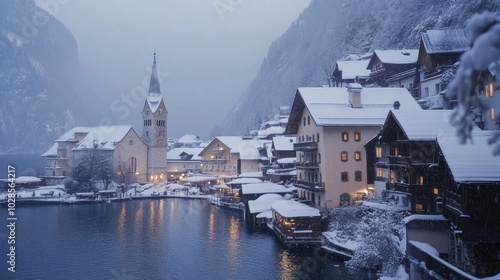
x=40 y=192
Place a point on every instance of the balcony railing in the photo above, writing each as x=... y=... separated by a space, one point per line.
x=307 y=165
x=312 y=186
x=218 y=151
x=214 y=160
x=305 y=146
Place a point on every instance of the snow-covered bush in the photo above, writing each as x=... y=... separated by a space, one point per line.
x=378 y=231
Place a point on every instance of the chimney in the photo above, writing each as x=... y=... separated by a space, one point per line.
x=396 y=105
x=354 y=90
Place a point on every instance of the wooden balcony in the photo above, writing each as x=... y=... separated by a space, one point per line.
x=305 y=146
x=214 y=160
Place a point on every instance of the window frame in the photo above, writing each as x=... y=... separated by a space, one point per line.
x=344 y=156
x=344 y=136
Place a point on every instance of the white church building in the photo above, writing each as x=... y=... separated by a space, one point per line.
x=144 y=157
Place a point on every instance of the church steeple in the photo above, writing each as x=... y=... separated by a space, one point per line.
x=154 y=83
x=154 y=97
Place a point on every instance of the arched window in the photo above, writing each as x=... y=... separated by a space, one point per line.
x=308 y=120
x=343 y=156
x=132 y=164
x=317 y=136
x=357 y=156
x=345 y=199
x=304 y=121
x=357 y=136
x=314 y=139
x=345 y=136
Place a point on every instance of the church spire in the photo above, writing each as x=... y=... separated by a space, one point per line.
x=154 y=83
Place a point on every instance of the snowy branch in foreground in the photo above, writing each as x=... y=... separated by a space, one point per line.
x=484 y=55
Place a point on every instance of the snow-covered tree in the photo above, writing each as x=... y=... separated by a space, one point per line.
x=484 y=55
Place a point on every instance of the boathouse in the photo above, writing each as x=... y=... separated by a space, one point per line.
x=295 y=223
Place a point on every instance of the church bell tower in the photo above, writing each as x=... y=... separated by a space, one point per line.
x=154 y=129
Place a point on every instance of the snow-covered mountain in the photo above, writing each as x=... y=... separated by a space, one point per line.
x=42 y=90
x=328 y=30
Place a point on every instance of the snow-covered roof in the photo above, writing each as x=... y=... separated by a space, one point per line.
x=154 y=97
x=175 y=154
x=420 y=217
x=424 y=124
x=51 y=152
x=331 y=107
x=27 y=179
x=196 y=179
x=70 y=135
x=106 y=137
x=446 y=41
x=263 y=203
x=267 y=187
x=189 y=139
x=472 y=161
x=291 y=209
x=397 y=56
x=271 y=130
x=266 y=214
x=286 y=160
x=352 y=69
x=244 y=181
x=256 y=174
x=247 y=148
x=283 y=143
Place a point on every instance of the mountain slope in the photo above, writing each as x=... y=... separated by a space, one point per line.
x=328 y=30
x=42 y=90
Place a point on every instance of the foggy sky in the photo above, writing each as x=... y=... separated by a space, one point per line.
x=207 y=53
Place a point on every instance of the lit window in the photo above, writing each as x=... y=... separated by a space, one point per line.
x=492 y=110
x=345 y=136
x=357 y=156
x=395 y=152
x=380 y=172
x=378 y=151
x=436 y=191
x=420 y=180
x=343 y=156
x=357 y=136
x=358 y=176
x=344 y=176
x=489 y=90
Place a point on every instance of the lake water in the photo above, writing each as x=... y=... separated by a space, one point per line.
x=153 y=239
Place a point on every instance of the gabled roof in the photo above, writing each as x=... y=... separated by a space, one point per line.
x=246 y=148
x=283 y=143
x=394 y=57
x=331 y=107
x=176 y=153
x=52 y=152
x=70 y=135
x=352 y=69
x=188 y=139
x=106 y=137
x=291 y=209
x=446 y=41
x=423 y=125
x=473 y=162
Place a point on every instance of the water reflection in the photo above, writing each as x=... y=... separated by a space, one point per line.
x=211 y=224
x=121 y=221
x=234 y=246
